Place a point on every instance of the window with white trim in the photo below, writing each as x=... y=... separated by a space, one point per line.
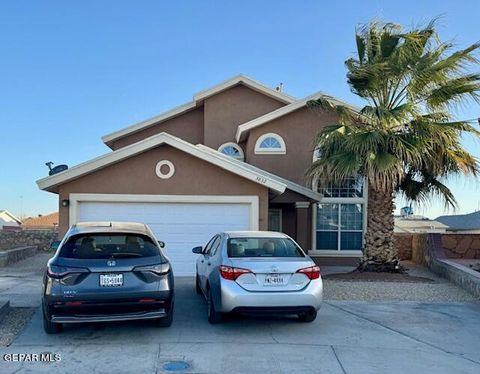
x=269 y=144
x=340 y=217
x=339 y=226
x=232 y=150
x=353 y=187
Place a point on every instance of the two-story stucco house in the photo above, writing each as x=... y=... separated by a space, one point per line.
x=234 y=158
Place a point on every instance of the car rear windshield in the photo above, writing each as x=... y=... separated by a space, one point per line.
x=263 y=247
x=105 y=246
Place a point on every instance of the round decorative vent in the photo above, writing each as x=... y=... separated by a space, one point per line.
x=164 y=169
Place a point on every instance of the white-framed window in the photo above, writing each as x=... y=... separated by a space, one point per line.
x=340 y=218
x=339 y=226
x=232 y=150
x=270 y=144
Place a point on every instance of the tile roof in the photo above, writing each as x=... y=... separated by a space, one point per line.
x=47 y=220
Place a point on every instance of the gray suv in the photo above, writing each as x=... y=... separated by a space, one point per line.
x=107 y=271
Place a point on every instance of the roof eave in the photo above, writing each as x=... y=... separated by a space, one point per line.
x=198 y=99
x=243 y=129
x=51 y=183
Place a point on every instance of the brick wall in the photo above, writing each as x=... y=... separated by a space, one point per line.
x=15 y=239
x=461 y=245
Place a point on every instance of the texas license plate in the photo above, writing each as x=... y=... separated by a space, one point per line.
x=111 y=280
x=274 y=280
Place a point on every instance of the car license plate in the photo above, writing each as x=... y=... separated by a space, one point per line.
x=111 y=280
x=273 y=280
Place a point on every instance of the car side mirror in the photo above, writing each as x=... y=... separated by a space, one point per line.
x=197 y=250
x=161 y=244
x=55 y=244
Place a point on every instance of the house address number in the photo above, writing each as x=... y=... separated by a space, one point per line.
x=261 y=180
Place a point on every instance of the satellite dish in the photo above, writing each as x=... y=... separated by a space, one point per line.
x=406 y=211
x=57 y=169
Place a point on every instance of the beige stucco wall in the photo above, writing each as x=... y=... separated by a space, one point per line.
x=298 y=129
x=188 y=126
x=136 y=175
x=230 y=108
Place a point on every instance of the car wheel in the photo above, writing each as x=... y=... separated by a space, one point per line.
x=308 y=317
x=51 y=327
x=165 y=321
x=213 y=316
x=197 y=285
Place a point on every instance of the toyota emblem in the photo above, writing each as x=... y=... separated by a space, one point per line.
x=111 y=263
x=275 y=269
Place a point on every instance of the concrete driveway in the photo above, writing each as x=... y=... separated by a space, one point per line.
x=347 y=337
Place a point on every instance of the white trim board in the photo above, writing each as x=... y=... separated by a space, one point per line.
x=247 y=81
x=51 y=182
x=172 y=113
x=198 y=98
x=77 y=198
x=243 y=129
x=244 y=165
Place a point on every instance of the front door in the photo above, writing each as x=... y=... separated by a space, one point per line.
x=275 y=219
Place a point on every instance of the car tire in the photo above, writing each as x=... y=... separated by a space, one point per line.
x=51 y=327
x=308 y=317
x=165 y=321
x=197 y=285
x=214 y=317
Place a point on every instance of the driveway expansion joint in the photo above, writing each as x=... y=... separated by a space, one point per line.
x=404 y=334
x=338 y=359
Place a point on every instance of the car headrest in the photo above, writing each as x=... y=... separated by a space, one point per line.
x=237 y=250
x=269 y=247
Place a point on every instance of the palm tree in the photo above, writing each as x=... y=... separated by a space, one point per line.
x=405 y=139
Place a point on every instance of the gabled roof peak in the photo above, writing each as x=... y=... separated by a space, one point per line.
x=198 y=99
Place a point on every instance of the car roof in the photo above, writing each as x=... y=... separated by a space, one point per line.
x=255 y=234
x=109 y=227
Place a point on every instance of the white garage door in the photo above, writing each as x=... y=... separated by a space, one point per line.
x=181 y=226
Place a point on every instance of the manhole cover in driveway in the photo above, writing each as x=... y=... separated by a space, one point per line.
x=175 y=366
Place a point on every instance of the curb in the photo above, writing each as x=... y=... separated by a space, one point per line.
x=438 y=262
x=4 y=308
x=13 y=255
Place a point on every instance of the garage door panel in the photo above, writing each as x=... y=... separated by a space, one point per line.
x=181 y=226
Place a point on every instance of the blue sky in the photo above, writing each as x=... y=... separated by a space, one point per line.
x=71 y=72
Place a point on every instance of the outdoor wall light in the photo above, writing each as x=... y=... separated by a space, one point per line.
x=65 y=203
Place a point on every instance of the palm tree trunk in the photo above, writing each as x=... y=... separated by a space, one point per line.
x=380 y=253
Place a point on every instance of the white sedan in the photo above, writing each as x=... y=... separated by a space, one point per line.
x=257 y=272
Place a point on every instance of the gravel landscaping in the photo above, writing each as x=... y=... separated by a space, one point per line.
x=428 y=288
x=13 y=323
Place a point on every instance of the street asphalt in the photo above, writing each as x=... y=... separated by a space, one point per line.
x=347 y=337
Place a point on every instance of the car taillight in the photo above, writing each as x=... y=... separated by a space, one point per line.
x=146 y=300
x=59 y=272
x=312 y=272
x=231 y=273
x=73 y=303
x=158 y=269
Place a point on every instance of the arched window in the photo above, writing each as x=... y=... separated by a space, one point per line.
x=232 y=150
x=269 y=144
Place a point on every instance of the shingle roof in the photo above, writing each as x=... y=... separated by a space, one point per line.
x=469 y=221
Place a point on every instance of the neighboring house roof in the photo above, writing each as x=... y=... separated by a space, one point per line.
x=460 y=222
x=197 y=101
x=289 y=184
x=243 y=129
x=51 y=183
x=47 y=220
x=418 y=224
x=7 y=218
